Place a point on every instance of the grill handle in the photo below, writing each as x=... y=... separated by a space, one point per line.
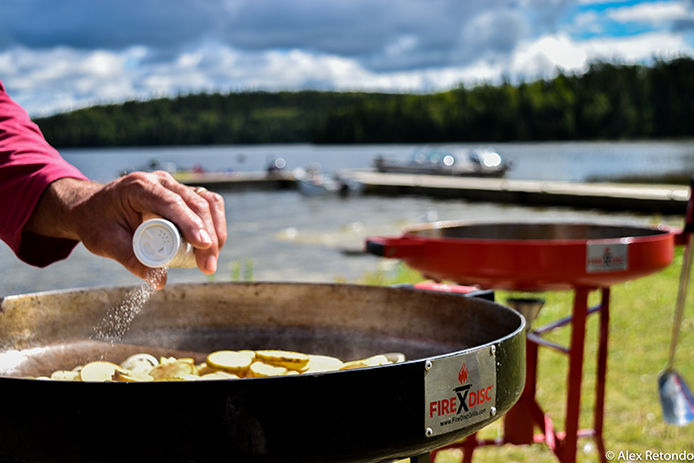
x=393 y=247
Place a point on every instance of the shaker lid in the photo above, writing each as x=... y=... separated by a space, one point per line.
x=156 y=242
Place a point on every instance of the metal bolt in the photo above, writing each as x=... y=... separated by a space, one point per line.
x=429 y=432
x=428 y=365
x=492 y=350
x=492 y=411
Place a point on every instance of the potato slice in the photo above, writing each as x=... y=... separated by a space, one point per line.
x=127 y=376
x=373 y=361
x=140 y=363
x=395 y=357
x=98 y=371
x=321 y=363
x=250 y=353
x=175 y=369
x=219 y=375
x=283 y=358
x=66 y=375
x=260 y=369
x=205 y=369
x=181 y=377
x=230 y=360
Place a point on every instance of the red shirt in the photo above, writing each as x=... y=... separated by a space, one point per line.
x=28 y=164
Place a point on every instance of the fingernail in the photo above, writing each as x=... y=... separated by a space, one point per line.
x=211 y=264
x=204 y=237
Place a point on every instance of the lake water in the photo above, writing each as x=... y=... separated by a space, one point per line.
x=283 y=236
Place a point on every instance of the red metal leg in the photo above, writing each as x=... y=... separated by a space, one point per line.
x=601 y=373
x=469 y=446
x=576 y=351
x=518 y=423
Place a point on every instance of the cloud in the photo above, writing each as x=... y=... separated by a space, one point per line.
x=372 y=31
x=105 y=24
x=74 y=53
x=651 y=13
x=548 y=54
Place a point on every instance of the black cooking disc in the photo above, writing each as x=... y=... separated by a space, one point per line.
x=465 y=368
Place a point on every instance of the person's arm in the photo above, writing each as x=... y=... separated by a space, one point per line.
x=47 y=205
x=28 y=165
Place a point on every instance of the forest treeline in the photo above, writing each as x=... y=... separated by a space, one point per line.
x=609 y=101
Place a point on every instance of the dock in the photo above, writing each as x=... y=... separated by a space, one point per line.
x=238 y=180
x=663 y=199
x=644 y=198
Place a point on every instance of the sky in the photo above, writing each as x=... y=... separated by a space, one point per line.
x=62 y=55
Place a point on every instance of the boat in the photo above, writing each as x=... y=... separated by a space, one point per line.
x=477 y=162
x=310 y=181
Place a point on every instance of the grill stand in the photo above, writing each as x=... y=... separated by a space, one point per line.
x=521 y=420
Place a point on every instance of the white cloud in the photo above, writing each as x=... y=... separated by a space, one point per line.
x=650 y=13
x=542 y=57
x=59 y=79
x=588 y=22
x=545 y=55
x=638 y=49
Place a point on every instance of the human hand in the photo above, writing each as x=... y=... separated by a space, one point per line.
x=104 y=217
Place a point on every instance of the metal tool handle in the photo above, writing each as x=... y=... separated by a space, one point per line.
x=684 y=275
x=681 y=299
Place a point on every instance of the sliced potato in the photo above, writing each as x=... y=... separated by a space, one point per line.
x=250 y=353
x=260 y=369
x=66 y=375
x=181 y=377
x=131 y=376
x=320 y=363
x=373 y=361
x=98 y=371
x=230 y=360
x=204 y=369
x=219 y=375
x=395 y=357
x=140 y=362
x=283 y=358
x=222 y=364
x=175 y=369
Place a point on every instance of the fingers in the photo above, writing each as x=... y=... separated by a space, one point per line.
x=215 y=220
x=217 y=212
x=209 y=207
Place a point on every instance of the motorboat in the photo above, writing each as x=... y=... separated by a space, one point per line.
x=477 y=162
x=311 y=181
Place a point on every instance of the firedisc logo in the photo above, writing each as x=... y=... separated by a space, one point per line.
x=462 y=374
x=464 y=399
x=607 y=257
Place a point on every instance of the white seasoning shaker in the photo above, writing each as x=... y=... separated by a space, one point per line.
x=158 y=243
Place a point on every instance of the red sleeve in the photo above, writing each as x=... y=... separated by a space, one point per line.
x=28 y=164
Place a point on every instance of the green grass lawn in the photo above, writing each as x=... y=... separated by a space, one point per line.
x=641 y=316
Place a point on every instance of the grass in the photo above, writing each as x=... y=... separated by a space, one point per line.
x=641 y=316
